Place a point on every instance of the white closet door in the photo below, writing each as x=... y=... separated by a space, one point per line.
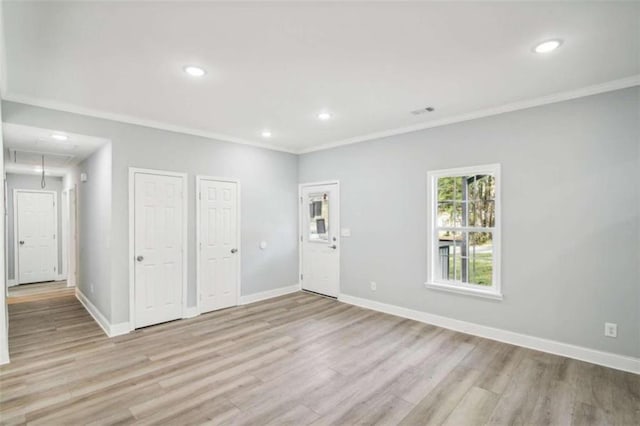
x=219 y=243
x=158 y=248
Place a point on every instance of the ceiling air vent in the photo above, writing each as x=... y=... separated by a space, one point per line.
x=423 y=110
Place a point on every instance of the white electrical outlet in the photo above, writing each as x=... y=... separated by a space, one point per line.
x=373 y=285
x=610 y=329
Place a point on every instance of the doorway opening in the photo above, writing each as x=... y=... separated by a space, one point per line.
x=42 y=173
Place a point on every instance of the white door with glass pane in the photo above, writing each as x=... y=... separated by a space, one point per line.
x=320 y=238
x=37 y=246
x=218 y=244
x=159 y=234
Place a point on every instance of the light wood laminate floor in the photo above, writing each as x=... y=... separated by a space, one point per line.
x=298 y=359
x=38 y=291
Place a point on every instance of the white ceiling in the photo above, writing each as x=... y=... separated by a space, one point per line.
x=276 y=65
x=25 y=146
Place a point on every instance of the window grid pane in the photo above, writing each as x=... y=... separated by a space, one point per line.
x=466 y=256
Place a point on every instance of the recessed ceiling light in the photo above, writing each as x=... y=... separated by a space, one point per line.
x=324 y=116
x=194 y=71
x=266 y=133
x=547 y=46
x=59 y=137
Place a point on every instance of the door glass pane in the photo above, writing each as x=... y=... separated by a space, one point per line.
x=319 y=217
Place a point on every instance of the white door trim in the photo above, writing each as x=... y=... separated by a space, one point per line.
x=65 y=230
x=301 y=221
x=199 y=179
x=72 y=237
x=16 y=274
x=184 y=176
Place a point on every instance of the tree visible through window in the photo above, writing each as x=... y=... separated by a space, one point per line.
x=463 y=234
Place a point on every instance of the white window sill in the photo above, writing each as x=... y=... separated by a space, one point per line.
x=452 y=288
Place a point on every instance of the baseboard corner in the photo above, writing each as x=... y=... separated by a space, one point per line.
x=190 y=312
x=269 y=294
x=111 y=330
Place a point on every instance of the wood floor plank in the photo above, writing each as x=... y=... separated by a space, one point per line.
x=293 y=360
x=475 y=408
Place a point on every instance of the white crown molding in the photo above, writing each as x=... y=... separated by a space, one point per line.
x=607 y=359
x=515 y=106
x=74 y=109
x=487 y=112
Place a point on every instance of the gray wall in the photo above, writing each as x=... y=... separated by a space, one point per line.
x=268 y=183
x=19 y=181
x=94 y=207
x=570 y=207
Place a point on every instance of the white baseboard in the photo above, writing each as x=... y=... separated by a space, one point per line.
x=111 y=330
x=61 y=277
x=190 y=312
x=264 y=295
x=4 y=355
x=12 y=283
x=119 y=329
x=607 y=359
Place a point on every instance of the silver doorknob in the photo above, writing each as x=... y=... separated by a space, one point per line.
x=333 y=246
x=140 y=258
x=234 y=250
x=21 y=243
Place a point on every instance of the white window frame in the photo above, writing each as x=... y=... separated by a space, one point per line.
x=493 y=292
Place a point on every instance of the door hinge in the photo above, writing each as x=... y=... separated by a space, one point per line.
x=54 y=236
x=300 y=238
x=300 y=200
x=199 y=195
x=301 y=277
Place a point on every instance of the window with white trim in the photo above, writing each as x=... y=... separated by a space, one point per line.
x=464 y=230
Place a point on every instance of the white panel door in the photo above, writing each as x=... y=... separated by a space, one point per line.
x=218 y=274
x=320 y=238
x=36 y=236
x=158 y=233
